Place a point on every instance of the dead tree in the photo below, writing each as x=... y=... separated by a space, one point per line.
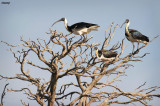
x=72 y=56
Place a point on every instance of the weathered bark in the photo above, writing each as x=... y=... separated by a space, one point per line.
x=53 y=85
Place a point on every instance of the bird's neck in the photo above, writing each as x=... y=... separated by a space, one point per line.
x=66 y=24
x=127 y=28
x=97 y=53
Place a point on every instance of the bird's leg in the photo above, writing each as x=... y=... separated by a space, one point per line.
x=133 y=47
x=84 y=37
x=81 y=36
x=138 y=46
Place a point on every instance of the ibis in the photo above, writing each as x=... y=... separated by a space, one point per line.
x=134 y=36
x=80 y=28
x=105 y=55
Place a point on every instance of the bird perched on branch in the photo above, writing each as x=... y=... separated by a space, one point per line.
x=80 y=28
x=134 y=36
x=105 y=55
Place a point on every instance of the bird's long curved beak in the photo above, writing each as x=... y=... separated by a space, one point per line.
x=123 y=24
x=57 y=21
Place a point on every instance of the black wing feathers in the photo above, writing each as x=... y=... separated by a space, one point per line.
x=82 y=25
x=108 y=54
x=137 y=35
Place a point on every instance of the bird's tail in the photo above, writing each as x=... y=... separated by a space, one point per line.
x=95 y=27
x=145 y=39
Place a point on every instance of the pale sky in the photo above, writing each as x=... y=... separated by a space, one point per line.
x=32 y=19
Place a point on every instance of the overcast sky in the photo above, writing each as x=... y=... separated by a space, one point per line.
x=32 y=19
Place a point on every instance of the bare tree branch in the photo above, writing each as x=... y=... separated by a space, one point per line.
x=3 y=94
x=73 y=56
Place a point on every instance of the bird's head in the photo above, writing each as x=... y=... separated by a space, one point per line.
x=126 y=22
x=62 y=19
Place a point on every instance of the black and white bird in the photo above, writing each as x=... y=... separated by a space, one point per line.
x=80 y=28
x=105 y=55
x=134 y=36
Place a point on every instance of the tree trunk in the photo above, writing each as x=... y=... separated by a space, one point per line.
x=83 y=102
x=53 y=86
